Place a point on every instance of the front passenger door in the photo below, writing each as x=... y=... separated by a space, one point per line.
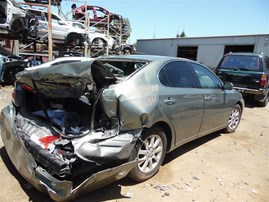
x=217 y=112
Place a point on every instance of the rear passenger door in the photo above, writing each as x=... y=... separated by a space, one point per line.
x=217 y=111
x=182 y=103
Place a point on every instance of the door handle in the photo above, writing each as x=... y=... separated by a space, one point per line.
x=208 y=98
x=170 y=101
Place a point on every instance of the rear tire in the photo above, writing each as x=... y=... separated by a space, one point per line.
x=234 y=119
x=74 y=39
x=152 y=151
x=99 y=43
x=264 y=101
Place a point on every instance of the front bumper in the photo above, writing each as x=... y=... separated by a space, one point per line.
x=58 y=190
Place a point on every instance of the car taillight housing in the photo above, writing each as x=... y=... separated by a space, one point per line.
x=27 y=88
x=18 y=87
x=14 y=95
x=263 y=81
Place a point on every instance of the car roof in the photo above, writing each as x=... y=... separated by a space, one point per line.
x=44 y=11
x=142 y=57
x=60 y=59
x=246 y=54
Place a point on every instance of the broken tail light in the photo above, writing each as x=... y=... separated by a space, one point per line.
x=18 y=88
x=27 y=88
x=263 y=81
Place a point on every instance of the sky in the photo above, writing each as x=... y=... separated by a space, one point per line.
x=167 y=18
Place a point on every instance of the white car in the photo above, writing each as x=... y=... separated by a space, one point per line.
x=96 y=39
x=14 y=20
x=61 y=30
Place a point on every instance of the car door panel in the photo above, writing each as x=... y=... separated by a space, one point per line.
x=181 y=102
x=185 y=111
x=216 y=110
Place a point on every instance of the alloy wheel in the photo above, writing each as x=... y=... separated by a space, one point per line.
x=151 y=152
x=234 y=119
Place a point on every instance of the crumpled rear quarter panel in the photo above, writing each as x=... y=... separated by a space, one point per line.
x=40 y=178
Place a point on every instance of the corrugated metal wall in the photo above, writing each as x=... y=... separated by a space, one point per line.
x=210 y=49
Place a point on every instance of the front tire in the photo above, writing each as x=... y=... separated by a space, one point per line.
x=152 y=151
x=234 y=119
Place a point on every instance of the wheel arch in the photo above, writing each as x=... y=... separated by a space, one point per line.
x=241 y=104
x=168 y=132
x=17 y=25
x=101 y=38
x=73 y=35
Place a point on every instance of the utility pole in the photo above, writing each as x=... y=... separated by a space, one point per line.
x=49 y=32
x=108 y=21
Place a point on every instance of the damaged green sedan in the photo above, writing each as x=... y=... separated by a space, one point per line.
x=73 y=128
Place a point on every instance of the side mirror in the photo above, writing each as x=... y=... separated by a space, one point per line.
x=228 y=86
x=61 y=22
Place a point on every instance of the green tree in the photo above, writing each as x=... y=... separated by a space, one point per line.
x=183 y=34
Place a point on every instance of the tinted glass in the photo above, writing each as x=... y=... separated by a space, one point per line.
x=176 y=74
x=207 y=79
x=78 y=25
x=267 y=62
x=241 y=62
x=163 y=78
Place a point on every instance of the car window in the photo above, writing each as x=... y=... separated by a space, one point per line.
x=78 y=25
x=267 y=62
x=124 y=68
x=207 y=79
x=176 y=74
x=116 y=71
x=241 y=62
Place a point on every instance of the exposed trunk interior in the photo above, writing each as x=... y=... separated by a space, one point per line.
x=62 y=123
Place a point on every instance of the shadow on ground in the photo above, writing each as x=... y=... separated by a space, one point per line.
x=250 y=103
x=109 y=192
x=34 y=195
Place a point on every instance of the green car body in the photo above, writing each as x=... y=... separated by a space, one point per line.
x=126 y=124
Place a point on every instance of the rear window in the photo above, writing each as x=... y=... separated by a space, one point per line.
x=123 y=68
x=241 y=62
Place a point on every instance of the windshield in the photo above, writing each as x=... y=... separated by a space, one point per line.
x=241 y=62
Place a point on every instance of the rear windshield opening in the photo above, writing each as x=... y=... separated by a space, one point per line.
x=241 y=62
x=123 y=68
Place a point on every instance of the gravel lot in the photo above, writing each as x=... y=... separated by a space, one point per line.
x=218 y=167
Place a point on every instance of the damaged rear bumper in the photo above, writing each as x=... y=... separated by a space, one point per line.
x=58 y=190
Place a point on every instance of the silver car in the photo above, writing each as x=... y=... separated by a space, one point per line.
x=79 y=126
x=62 y=31
x=96 y=39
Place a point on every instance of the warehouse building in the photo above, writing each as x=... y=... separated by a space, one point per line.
x=207 y=50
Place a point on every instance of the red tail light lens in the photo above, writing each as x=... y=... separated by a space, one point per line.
x=27 y=88
x=263 y=81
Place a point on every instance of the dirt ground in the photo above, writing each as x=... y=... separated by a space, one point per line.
x=218 y=167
